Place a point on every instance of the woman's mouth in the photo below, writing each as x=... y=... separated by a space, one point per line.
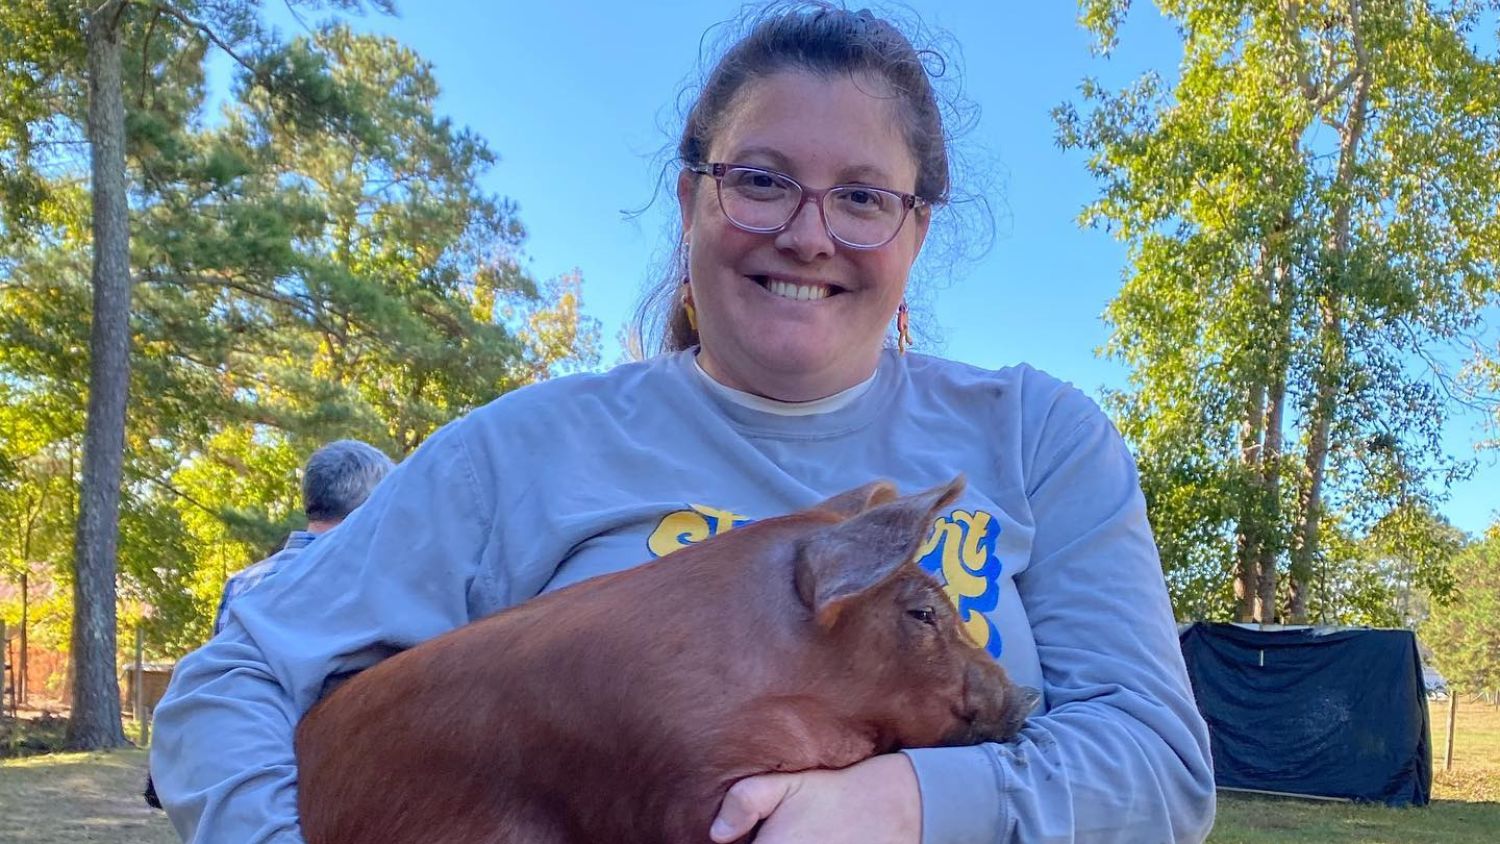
x=799 y=290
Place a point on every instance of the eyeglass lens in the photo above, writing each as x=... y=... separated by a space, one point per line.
x=856 y=215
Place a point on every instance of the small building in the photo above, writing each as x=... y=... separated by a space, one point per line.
x=155 y=676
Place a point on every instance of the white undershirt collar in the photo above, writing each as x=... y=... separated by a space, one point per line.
x=827 y=404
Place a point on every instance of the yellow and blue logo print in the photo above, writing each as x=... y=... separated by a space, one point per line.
x=682 y=528
x=960 y=552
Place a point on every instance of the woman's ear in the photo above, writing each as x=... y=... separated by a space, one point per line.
x=923 y=222
x=687 y=184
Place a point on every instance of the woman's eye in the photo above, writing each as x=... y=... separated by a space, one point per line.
x=753 y=184
x=864 y=202
x=926 y=615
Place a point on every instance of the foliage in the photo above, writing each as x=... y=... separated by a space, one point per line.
x=318 y=260
x=1310 y=215
x=1464 y=634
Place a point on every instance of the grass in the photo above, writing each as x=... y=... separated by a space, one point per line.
x=73 y=797
x=1465 y=806
x=1476 y=753
x=62 y=798
x=1255 y=820
x=30 y=735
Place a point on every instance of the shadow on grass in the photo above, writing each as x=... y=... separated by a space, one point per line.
x=30 y=736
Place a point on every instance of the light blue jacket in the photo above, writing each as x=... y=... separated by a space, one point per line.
x=243 y=580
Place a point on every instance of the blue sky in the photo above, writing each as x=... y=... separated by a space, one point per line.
x=580 y=99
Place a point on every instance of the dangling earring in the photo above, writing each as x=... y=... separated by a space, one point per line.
x=687 y=290
x=903 y=329
x=687 y=305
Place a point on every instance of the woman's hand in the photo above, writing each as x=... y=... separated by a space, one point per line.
x=873 y=802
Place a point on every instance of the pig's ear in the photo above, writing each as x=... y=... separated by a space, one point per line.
x=860 y=499
x=842 y=561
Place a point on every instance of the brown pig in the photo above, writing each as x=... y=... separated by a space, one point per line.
x=621 y=709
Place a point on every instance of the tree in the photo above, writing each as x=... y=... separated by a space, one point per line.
x=1464 y=634
x=1388 y=576
x=97 y=71
x=320 y=263
x=95 y=721
x=1307 y=248
x=37 y=510
x=85 y=68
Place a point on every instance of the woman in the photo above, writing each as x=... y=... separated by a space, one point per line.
x=812 y=163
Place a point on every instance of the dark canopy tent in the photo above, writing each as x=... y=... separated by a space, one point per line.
x=1314 y=711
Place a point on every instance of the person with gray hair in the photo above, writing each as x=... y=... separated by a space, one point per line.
x=337 y=478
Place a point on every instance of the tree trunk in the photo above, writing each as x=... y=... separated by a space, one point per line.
x=1260 y=447
x=95 y=721
x=1247 y=564
x=1270 y=455
x=25 y=663
x=1270 y=487
x=33 y=514
x=1305 y=542
x=1331 y=334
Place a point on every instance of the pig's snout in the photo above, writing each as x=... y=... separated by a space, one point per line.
x=995 y=708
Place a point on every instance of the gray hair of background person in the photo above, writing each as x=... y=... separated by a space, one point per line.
x=339 y=477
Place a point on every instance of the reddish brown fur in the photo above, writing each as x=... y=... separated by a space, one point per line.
x=621 y=709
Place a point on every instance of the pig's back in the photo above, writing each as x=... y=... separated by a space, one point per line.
x=488 y=726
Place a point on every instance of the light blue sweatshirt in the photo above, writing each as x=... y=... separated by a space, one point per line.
x=1048 y=556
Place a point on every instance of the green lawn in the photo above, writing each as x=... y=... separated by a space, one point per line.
x=1255 y=820
x=75 y=797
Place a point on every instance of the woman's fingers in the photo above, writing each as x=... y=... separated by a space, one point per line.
x=748 y=802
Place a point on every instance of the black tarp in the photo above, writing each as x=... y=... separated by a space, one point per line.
x=1327 y=712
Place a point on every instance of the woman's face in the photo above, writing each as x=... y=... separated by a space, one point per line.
x=821 y=131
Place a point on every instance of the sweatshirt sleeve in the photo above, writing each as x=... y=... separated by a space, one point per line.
x=1122 y=753
x=398 y=571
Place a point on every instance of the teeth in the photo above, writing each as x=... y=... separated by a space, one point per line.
x=788 y=290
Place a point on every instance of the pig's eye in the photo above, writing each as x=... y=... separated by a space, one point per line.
x=926 y=615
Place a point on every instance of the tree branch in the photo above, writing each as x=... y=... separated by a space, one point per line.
x=213 y=37
x=297 y=16
x=1292 y=24
x=104 y=7
x=180 y=494
x=146 y=58
x=1461 y=396
x=1337 y=90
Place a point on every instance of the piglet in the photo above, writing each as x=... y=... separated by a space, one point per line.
x=621 y=709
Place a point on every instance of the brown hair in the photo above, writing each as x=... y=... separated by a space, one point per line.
x=816 y=37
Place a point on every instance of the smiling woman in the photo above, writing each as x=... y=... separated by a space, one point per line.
x=786 y=307
x=811 y=167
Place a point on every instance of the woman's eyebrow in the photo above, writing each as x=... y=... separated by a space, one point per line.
x=864 y=173
x=778 y=161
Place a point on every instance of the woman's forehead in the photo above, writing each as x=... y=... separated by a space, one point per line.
x=809 y=125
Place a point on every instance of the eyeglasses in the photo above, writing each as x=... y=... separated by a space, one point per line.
x=764 y=201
